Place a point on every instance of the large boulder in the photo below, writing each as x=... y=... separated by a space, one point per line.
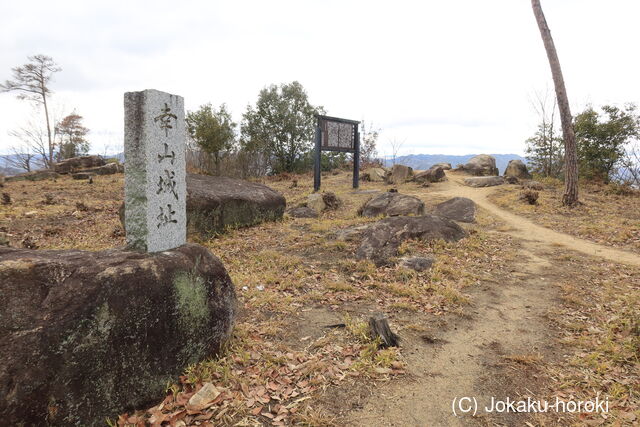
x=443 y=165
x=481 y=165
x=518 y=169
x=374 y=175
x=215 y=203
x=76 y=163
x=484 y=181
x=458 y=209
x=88 y=335
x=381 y=240
x=435 y=174
x=392 y=204
x=399 y=174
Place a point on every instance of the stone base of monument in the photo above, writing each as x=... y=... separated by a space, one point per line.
x=89 y=335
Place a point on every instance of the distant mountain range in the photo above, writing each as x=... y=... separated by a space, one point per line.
x=425 y=161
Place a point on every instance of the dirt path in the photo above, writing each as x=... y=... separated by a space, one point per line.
x=525 y=229
x=467 y=355
x=464 y=360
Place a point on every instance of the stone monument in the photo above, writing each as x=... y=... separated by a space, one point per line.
x=155 y=175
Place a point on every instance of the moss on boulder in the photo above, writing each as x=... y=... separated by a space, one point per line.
x=89 y=335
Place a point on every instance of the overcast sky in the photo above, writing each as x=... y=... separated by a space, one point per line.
x=448 y=76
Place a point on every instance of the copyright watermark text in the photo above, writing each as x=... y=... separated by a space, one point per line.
x=469 y=405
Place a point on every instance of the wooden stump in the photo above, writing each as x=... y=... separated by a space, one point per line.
x=379 y=327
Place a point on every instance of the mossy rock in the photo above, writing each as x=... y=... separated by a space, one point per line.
x=89 y=335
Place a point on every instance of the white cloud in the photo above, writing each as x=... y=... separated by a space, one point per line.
x=447 y=77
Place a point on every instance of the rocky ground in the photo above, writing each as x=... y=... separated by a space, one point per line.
x=513 y=310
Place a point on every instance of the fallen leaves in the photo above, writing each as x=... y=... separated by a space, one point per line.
x=260 y=381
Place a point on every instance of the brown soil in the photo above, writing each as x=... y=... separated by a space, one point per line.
x=510 y=322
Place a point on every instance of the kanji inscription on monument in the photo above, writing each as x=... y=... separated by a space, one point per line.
x=155 y=176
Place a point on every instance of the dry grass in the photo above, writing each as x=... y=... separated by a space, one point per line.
x=606 y=216
x=284 y=271
x=599 y=322
x=280 y=270
x=64 y=214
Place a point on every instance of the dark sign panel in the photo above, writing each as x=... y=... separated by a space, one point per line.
x=339 y=136
x=335 y=134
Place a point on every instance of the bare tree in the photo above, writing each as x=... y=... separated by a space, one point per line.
x=395 y=148
x=570 y=196
x=20 y=157
x=544 y=149
x=31 y=82
x=33 y=139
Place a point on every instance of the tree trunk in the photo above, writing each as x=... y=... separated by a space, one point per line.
x=570 y=196
x=216 y=157
x=46 y=114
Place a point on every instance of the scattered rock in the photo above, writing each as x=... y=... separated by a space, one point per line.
x=374 y=175
x=481 y=165
x=81 y=175
x=75 y=163
x=511 y=180
x=533 y=185
x=381 y=239
x=435 y=174
x=30 y=214
x=530 y=196
x=399 y=174
x=417 y=263
x=315 y=201
x=302 y=212
x=108 y=169
x=6 y=199
x=34 y=176
x=445 y=166
x=458 y=209
x=484 y=181
x=517 y=169
x=203 y=397
x=28 y=242
x=93 y=334
x=331 y=201
x=350 y=234
x=392 y=204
